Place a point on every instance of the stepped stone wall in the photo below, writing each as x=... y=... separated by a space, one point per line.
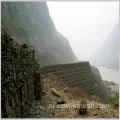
x=80 y=75
x=20 y=78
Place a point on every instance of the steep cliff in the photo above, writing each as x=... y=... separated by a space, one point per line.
x=108 y=55
x=30 y=23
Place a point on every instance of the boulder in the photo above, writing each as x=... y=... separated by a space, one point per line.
x=60 y=101
x=83 y=107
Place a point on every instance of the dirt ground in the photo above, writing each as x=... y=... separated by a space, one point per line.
x=72 y=98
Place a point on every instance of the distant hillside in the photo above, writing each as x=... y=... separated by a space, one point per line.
x=30 y=23
x=108 y=55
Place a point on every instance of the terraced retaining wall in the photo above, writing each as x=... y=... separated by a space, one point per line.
x=80 y=75
x=20 y=78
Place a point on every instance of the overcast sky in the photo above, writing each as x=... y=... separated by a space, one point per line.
x=85 y=24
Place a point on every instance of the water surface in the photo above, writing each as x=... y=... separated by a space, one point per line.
x=110 y=75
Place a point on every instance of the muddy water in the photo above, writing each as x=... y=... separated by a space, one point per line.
x=110 y=75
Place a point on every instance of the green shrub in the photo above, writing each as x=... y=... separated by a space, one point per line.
x=114 y=101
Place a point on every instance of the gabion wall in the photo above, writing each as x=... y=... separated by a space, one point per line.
x=20 y=78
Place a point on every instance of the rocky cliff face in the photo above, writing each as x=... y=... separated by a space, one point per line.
x=108 y=55
x=113 y=87
x=30 y=22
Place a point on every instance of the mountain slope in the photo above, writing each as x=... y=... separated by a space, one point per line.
x=30 y=23
x=108 y=55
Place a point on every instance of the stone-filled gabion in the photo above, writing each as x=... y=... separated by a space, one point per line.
x=18 y=66
x=80 y=75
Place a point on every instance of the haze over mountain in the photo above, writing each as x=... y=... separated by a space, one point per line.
x=30 y=23
x=87 y=25
x=108 y=54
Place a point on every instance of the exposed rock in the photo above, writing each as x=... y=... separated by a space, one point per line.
x=113 y=87
x=60 y=101
x=95 y=114
x=98 y=107
x=66 y=90
x=55 y=92
x=83 y=107
x=106 y=112
x=24 y=46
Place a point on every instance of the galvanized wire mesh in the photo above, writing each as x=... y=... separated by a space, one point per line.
x=18 y=65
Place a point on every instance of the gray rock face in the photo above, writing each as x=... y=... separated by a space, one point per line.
x=30 y=23
x=113 y=87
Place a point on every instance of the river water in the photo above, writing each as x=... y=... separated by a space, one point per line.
x=110 y=75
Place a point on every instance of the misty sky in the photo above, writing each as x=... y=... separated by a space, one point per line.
x=85 y=24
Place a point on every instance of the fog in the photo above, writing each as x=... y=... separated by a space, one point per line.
x=85 y=24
